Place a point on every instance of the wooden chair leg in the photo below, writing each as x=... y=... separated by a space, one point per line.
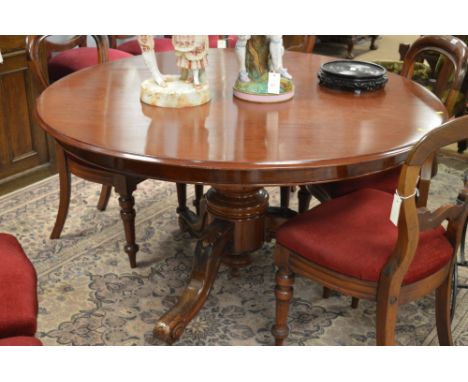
x=354 y=302
x=386 y=321
x=181 y=197
x=65 y=192
x=285 y=194
x=284 y=294
x=443 y=321
x=104 y=197
x=304 y=197
x=125 y=187
x=326 y=292
x=198 y=197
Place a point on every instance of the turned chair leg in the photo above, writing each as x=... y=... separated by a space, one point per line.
x=284 y=293
x=125 y=187
x=181 y=197
x=443 y=321
x=285 y=194
x=304 y=197
x=198 y=197
x=65 y=192
x=387 y=310
x=104 y=197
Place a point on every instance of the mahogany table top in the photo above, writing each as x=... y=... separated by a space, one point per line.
x=319 y=135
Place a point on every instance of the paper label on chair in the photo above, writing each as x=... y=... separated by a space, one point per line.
x=274 y=80
x=222 y=44
x=395 y=212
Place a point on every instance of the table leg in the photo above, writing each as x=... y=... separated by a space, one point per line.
x=205 y=268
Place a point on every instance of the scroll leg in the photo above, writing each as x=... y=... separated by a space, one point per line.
x=208 y=254
x=125 y=187
x=65 y=191
x=104 y=197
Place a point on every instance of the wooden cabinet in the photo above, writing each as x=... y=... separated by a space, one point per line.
x=24 y=147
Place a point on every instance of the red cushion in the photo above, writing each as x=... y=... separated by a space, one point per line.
x=231 y=41
x=71 y=60
x=20 y=341
x=353 y=235
x=160 y=45
x=18 y=300
x=385 y=181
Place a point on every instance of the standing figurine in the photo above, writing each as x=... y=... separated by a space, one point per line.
x=258 y=56
x=189 y=88
x=191 y=54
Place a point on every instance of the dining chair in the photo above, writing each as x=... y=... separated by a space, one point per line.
x=40 y=48
x=447 y=88
x=350 y=245
x=18 y=295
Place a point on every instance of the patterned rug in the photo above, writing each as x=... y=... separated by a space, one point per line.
x=88 y=295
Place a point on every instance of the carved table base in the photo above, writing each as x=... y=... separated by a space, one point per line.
x=233 y=222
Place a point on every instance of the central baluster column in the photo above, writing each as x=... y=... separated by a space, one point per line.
x=246 y=208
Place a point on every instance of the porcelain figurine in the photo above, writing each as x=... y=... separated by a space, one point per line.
x=258 y=56
x=189 y=88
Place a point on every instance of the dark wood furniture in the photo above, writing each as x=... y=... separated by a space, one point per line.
x=236 y=147
x=39 y=48
x=366 y=256
x=25 y=149
x=299 y=43
x=349 y=41
x=455 y=66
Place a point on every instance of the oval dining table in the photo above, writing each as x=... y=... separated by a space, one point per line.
x=233 y=146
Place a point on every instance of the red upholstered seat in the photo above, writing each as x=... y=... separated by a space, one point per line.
x=353 y=235
x=18 y=301
x=385 y=181
x=163 y=44
x=71 y=60
x=20 y=341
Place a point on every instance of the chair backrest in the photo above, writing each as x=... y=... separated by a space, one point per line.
x=413 y=220
x=39 y=48
x=453 y=70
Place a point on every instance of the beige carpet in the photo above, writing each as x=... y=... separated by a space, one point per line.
x=88 y=295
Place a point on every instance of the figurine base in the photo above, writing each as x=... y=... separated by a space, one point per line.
x=263 y=98
x=176 y=94
x=256 y=91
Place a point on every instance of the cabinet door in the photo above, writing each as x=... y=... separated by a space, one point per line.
x=23 y=144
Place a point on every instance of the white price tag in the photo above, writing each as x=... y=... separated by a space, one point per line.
x=222 y=44
x=395 y=212
x=1 y=58
x=274 y=80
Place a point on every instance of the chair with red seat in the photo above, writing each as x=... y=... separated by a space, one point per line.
x=349 y=244
x=447 y=88
x=131 y=46
x=40 y=47
x=18 y=298
x=73 y=54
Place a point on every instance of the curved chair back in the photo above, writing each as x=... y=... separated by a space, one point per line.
x=39 y=48
x=453 y=70
x=413 y=220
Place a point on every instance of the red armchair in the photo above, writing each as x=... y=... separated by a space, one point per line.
x=18 y=298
